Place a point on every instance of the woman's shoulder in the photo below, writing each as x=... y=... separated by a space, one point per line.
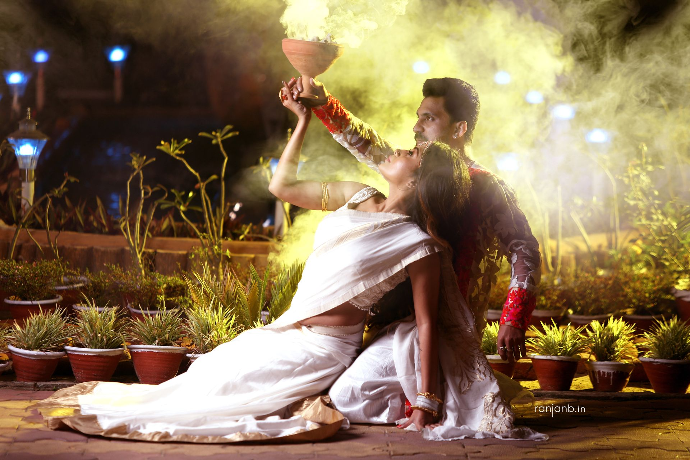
x=363 y=194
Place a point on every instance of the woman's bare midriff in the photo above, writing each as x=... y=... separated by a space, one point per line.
x=342 y=315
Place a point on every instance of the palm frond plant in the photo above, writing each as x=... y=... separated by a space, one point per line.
x=283 y=290
x=556 y=354
x=209 y=325
x=36 y=345
x=667 y=360
x=612 y=341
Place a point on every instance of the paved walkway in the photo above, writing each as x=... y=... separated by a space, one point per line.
x=580 y=424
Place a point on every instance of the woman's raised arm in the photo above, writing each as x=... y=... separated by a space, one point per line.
x=425 y=275
x=305 y=194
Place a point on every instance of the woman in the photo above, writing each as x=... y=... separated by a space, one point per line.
x=246 y=389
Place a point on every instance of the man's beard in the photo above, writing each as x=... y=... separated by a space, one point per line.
x=418 y=137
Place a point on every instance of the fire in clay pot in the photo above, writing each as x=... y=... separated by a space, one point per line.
x=311 y=59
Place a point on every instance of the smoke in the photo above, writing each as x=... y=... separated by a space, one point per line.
x=346 y=22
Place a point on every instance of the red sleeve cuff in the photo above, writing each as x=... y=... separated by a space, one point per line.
x=518 y=308
x=333 y=115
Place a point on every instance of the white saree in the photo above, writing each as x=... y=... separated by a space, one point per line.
x=254 y=387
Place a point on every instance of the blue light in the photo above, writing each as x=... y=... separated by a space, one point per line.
x=563 y=112
x=117 y=54
x=273 y=162
x=25 y=149
x=502 y=77
x=508 y=162
x=597 y=136
x=41 y=56
x=534 y=97
x=15 y=78
x=421 y=67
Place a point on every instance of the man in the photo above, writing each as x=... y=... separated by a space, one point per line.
x=368 y=391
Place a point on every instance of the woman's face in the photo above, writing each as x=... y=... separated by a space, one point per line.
x=400 y=168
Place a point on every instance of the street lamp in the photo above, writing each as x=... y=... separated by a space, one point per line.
x=28 y=143
x=17 y=81
x=117 y=55
x=40 y=58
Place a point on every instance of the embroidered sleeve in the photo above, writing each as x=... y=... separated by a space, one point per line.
x=508 y=224
x=360 y=139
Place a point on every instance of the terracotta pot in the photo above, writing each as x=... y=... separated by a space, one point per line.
x=310 y=59
x=155 y=364
x=643 y=323
x=583 y=320
x=498 y=364
x=5 y=366
x=139 y=314
x=71 y=291
x=493 y=315
x=638 y=374
x=609 y=375
x=93 y=364
x=545 y=317
x=683 y=304
x=34 y=366
x=555 y=373
x=188 y=360
x=22 y=309
x=668 y=375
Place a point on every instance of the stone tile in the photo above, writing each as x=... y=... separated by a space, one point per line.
x=15 y=404
x=9 y=422
x=47 y=447
x=36 y=435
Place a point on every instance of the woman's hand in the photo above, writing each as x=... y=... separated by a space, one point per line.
x=289 y=100
x=420 y=419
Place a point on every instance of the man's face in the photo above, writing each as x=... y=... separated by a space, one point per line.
x=433 y=122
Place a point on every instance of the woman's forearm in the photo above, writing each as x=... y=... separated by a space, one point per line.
x=286 y=171
x=428 y=353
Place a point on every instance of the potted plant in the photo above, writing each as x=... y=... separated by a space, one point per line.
x=5 y=362
x=592 y=296
x=681 y=292
x=648 y=297
x=208 y=326
x=36 y=345
x=156 y=354
x=550 y=304
x=152 y=293
x=611 y=344
x=667 y=360
x=490 y=349
x=556 y=352
x=69 y=286
x=101 y=290
x=98 y=339
x=31 y=288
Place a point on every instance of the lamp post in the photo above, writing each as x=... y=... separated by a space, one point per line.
x=17 y=81
x=28 y=143
x=117 y=55
x=40 y=58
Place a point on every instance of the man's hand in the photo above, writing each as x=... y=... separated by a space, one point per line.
x=297 y=87
x=511 y=343
x=291 y=103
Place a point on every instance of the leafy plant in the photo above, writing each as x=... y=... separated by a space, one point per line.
x=499 y=292
x=209 y=325
x=590 y=293
x=136 y=237
x=163 y=328
x=98 y=329
x=283 y=290
x=102 y=289
x=612 y=341
x=549 y=296
x=211 y=238
x=668 y=340
x=32 y=281
x=648 y=293
x=45 y=331
x=489 y=345
x=555 y=341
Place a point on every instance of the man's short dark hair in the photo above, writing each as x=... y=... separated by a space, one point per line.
x=460 y=100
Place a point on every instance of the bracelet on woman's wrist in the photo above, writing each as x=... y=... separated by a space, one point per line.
x=427 y=410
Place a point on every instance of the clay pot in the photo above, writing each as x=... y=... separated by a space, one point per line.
x=155 y=364
x=609 y=375
x=70 y=291
x=493 y=315
x=310 y=59
x=498 y=364
x=555 y=373
x=668 y=375
x=683 y=304
x=93 y=364
x=139 y=314
x=584 y=320
x=545 y=317
x=638 y=374
x=34 y=366
x=642 y=323
x=22 y=309
x=5 y=366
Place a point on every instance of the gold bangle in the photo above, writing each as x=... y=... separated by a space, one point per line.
x=431 y=396
x=324 y=196
x=424 y=409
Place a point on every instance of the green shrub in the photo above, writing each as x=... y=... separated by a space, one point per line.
x=612 y=341
x=668 y=340
x=45 y=331
x=163 y=328
x=489 y=345
x=555 y=341
x=98 y=329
